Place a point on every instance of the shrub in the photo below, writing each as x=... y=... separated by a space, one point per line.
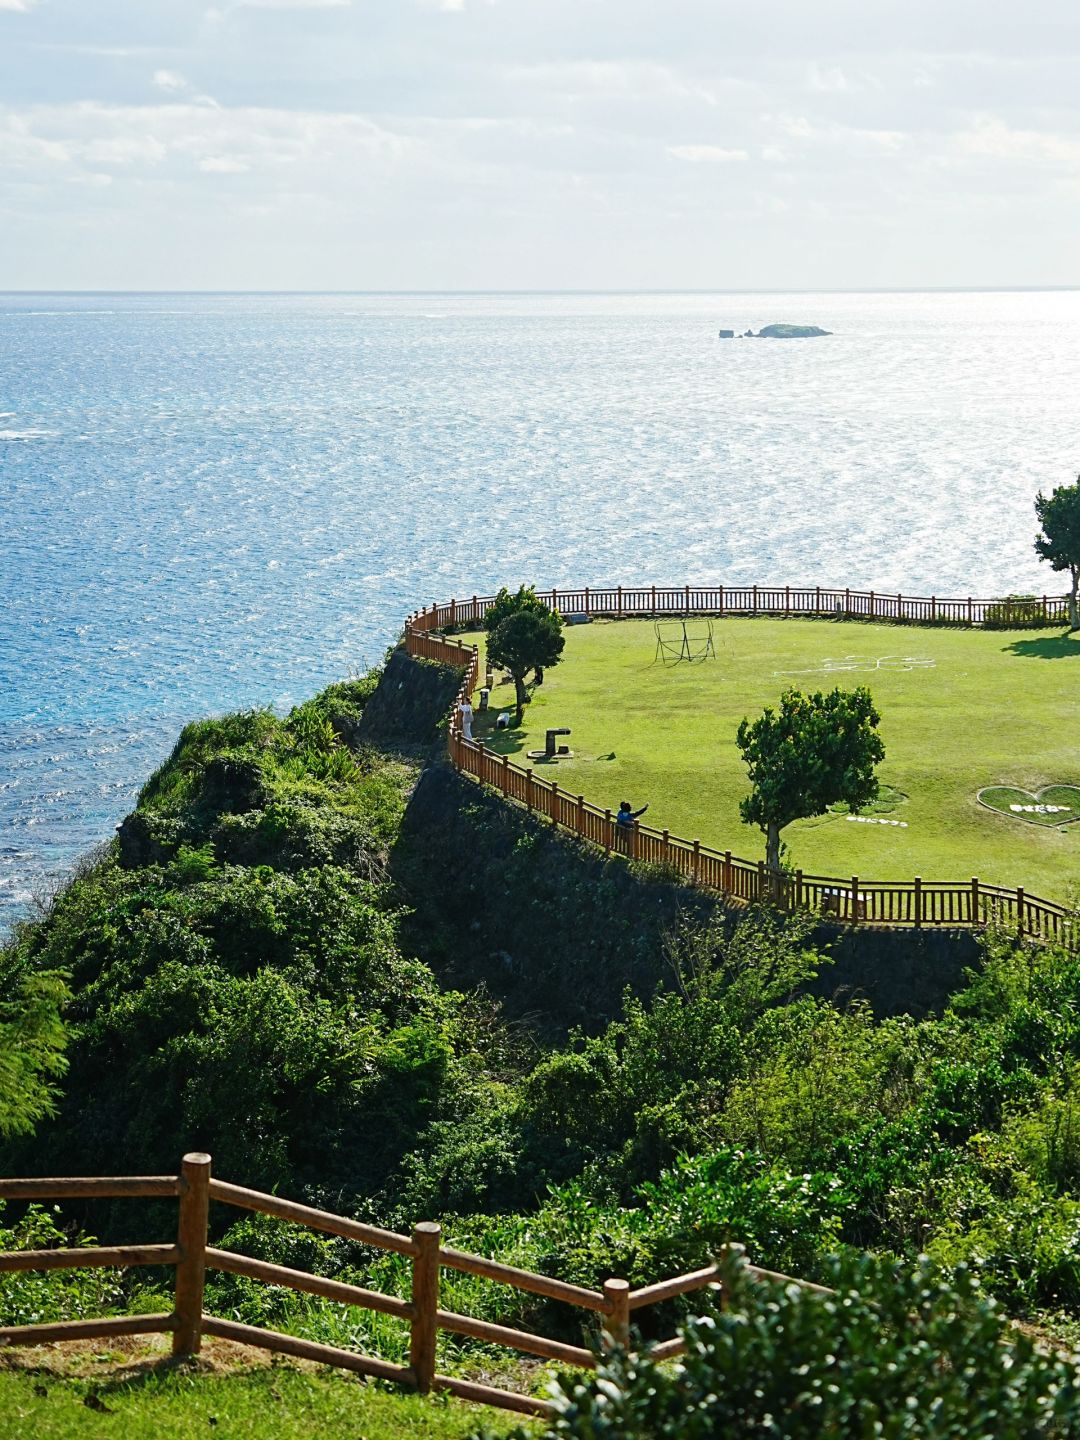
x=1016 y=612
x=897 y=1351
x=30 y=1297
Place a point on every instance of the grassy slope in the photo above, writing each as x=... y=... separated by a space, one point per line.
x=997 y=708
x=97 y=1396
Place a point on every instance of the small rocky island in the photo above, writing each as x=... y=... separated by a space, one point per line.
x=778 y=332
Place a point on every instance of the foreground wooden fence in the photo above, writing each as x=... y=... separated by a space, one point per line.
x=853 y=900
x=192 y=1256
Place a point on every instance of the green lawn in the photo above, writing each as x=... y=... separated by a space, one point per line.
x=269 y=1403
x=985 y=708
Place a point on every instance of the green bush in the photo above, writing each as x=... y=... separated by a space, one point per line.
x=897 y=1351
x=1016 y=612
x=29 y=1297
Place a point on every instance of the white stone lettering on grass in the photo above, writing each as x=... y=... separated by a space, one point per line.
x=865 y=664
x=1041 y=809
x=876 y=820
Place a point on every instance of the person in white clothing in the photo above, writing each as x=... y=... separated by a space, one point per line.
x=465 y=711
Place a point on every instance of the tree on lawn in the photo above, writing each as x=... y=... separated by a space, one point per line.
x=1059 y=542
x=526 y=640
x=815 y=751
x=508 y=602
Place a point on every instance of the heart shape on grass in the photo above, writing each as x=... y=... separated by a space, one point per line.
x=1052 y=805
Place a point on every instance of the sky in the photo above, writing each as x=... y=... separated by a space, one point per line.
x=539 y=144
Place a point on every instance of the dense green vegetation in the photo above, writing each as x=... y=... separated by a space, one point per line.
x=896 y=1351
x=241 y=982
x=973 y=708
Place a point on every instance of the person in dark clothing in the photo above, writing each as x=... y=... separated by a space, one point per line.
x=626 y=816
x=624 y=826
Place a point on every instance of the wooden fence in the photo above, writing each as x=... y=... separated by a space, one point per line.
x=783 y=601
x=852 y=900
x=192 y=1256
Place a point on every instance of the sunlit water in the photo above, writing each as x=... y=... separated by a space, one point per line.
x=213 y=502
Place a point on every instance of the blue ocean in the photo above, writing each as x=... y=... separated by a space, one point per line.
x=213 y=502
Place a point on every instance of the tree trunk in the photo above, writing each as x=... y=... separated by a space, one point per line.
x=519 y=686
x=1074 y=618
x=772 y=847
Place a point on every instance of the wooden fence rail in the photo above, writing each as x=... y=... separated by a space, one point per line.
x=192 y=1256
x=853 y=900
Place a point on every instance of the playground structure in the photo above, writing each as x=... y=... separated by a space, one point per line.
x=689 y=640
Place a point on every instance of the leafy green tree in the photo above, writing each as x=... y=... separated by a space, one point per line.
x=815 y=751
x=526 y=640
x=32 y=1041
x=510 y=602
x=1059 y=542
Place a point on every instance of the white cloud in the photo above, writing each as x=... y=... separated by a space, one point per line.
x=20 y=5
x=707 y=154
x=177 y=138
x=989 y=138
x=223 y=165
x=290 y=4
x=170 y=80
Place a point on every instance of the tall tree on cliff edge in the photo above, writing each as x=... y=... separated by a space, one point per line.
x=1059 y=542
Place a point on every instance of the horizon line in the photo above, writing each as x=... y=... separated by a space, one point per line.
x=742 y=290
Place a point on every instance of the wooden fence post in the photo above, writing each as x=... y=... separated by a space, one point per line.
x=425 y=1301
x=667 y=848
x=635 y=842
x=697 y=860
x=528 y=787
x=755 y=599
x=617 y=1322
x=586 y=600
x=734 y=1252
x=504 y=779
x=760 y=880
x=607 y=831
x=854 y=899
x=721 y=600
x=969 y=609
x=581 y=814
x=727 y=872
x=191 y=1240
x=917 y=903
x=975 y=905
x=798 y=888
x=1020 y=910
x=847 y=602
x=619 y=593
